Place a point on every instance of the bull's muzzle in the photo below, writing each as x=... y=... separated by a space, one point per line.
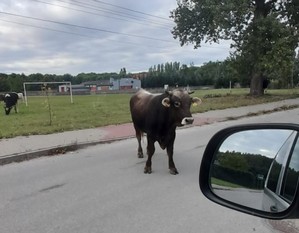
x=187 y=121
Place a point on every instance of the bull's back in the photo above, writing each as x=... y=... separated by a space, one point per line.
x=139 y=104
x=11 y=99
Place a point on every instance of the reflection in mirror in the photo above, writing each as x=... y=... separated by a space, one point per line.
x=257 y=168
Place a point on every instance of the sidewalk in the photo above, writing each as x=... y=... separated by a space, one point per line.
x=28 y=147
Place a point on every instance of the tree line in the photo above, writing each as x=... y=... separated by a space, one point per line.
x=242 y=168
x=14 y=82
x=219 y=74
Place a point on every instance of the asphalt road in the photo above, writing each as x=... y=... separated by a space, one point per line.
x=103 y=189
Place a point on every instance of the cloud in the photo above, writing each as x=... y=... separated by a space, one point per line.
x=74 y=36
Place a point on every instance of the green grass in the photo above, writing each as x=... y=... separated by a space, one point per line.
x=222 y=183
x=240 y=97
x=107 y=109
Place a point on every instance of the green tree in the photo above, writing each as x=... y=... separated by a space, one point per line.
x=264 y=33
x=16 y=82
x=233 y=160
x=4 y=84
x=296 y=71
x=123 y=72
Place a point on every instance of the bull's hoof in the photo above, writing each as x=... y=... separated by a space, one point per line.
x=147 y=170
x=173 y=171
x=140 y=155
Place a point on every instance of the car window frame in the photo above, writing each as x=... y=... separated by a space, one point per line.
x=288 y=148
x=295 y=144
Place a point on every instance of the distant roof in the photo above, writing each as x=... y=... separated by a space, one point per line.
x=98 y=83
x=79 y=87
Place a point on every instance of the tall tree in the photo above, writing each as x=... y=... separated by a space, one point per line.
x=264 y=32
x=123 y=73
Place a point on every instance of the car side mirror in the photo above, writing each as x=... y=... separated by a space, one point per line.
x=253 y=169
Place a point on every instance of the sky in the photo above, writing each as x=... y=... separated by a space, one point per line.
x=266 y=142
x=83 y=36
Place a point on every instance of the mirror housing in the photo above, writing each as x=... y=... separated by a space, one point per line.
x=207 y=164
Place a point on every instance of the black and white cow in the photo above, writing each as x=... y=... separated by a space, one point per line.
x=158 y=116
x=10 y=101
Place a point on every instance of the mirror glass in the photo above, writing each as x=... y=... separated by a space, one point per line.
x=257 y=168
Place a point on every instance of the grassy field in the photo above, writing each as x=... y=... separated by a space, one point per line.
x=224 y=183
x=99 y=110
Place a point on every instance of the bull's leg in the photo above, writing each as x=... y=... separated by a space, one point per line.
x=150 y=152
x=171 y=165
x=16 y=110
x=138 y=136
x=7 y=110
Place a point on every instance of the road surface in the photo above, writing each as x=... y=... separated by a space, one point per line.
x=103 y=189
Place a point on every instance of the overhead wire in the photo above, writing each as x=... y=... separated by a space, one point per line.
x=107 y=16
x=85 y=27
x=123 y=13
x=89 y=28
x=128 y=9
x=86 y=5
x=74 y=33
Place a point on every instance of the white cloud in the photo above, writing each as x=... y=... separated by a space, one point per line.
x=70 y=38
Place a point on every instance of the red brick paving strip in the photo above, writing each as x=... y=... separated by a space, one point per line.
x=127 y=130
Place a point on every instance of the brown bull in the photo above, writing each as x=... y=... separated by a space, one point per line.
x=158 y=116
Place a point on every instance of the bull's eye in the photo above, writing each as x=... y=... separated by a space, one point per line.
x=177 y=104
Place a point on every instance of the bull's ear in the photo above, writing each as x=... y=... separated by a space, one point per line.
x=196 y=101
x=166 y=102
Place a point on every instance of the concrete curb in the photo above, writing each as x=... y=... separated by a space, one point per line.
x=54 y=151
